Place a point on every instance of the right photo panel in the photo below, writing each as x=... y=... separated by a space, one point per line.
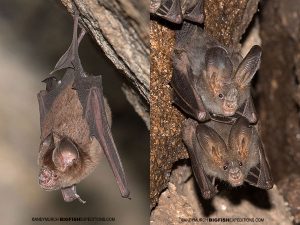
x=224 y=112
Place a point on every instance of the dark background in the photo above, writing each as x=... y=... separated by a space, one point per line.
x=34 y=34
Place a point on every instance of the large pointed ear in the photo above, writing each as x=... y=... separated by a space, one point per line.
x=240 y=138
x=218 y=68
x=65 y=154
x=212 y=144
x=248 y=66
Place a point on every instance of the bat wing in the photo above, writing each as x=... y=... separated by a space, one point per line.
x=68 y=61
x=207 y=189
x=248 y=110
x=47 y=97
x=90 y=93
x=170 y=10
x=185 y=96
x=260 y=175
x=195 y=13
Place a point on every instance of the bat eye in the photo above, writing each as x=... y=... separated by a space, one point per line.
x=225 y=167
x=221 y=96
x=240 y=163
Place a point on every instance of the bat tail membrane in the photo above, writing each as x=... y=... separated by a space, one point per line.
x=91 y=96
x=170 y=10
x=70 y=59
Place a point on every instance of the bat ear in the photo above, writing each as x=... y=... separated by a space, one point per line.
x=65 y=154
x=248 y=66
x=240 y=138
x=212 y=144
x=46 y=145
x=218 y=67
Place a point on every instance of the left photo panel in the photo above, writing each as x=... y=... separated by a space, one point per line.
x=74 y=114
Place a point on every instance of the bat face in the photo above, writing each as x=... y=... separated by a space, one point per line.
x=242 y=152
x=235 y=174
x=223 y=88
x=63 y=163
x=225 y=97
x=209 y=79
x=230 y=162
x=219 y=162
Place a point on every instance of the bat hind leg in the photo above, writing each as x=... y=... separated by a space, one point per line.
x=70 y=194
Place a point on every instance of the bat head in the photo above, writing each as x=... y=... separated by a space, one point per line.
x=226 y=88
x=242 y=150
x=60 y=161
x=231 y=162
x=233 y=172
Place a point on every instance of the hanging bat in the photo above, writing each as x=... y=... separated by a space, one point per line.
x=209 y=79
x=176 y=11
x=232 y=153
x=75 y=127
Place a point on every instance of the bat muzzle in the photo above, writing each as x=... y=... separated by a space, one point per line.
x=47 y=179
x=229 y=107
x=236 y=177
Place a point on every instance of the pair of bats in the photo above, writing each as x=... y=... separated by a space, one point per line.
x=211 y=86
x=75 y=127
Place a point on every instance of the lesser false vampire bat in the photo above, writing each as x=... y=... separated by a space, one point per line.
x=212 y=80
x=75 y=127
x=178 y=10
x=228 y=152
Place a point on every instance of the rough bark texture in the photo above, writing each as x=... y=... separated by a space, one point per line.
x=166 y=146
x=227 y=20
x=279 y=94
x=120 y=28
x=224 y=20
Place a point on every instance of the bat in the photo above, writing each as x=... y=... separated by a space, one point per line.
x=228 y=152
x=75 y=127
x=176 y=11
x=209 y=80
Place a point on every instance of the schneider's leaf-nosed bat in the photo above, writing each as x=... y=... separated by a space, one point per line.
x=75 y=127
x=178 y=10
x=229 y=152
x=209 y=79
